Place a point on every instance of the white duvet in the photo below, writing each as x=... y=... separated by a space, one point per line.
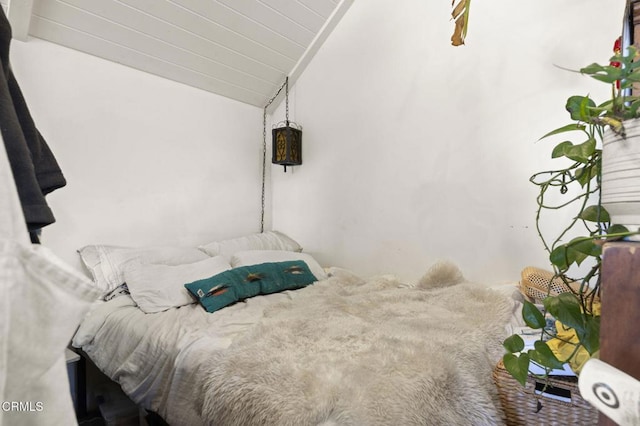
x=160 y=359
x=145 y=353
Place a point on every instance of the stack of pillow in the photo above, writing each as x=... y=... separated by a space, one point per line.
x=161 y=278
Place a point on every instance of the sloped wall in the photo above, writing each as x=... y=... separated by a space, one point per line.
x=148 y=161
x=416 y=151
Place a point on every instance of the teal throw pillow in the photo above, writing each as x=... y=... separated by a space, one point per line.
x=240 y=283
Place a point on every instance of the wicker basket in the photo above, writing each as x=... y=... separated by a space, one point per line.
x=522 y=406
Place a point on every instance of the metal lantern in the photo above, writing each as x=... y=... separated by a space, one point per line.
x=287 y=145
x=287 y=139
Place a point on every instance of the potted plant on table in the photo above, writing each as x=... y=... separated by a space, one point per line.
x=575 y=336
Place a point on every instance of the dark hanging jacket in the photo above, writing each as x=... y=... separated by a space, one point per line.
x=35 y=169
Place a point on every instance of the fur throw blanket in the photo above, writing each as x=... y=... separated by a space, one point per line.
x=375 y=352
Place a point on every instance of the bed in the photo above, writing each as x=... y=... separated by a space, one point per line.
x=342 y=350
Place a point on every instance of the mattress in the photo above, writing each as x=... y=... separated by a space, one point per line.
x=152 y=356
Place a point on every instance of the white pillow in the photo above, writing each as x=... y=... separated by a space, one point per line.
x=156 y=288
x=107 y=263
x=255 y=257
x=268 y=240
x=90 y=256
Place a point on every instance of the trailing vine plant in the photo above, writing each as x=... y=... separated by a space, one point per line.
x=577 y=186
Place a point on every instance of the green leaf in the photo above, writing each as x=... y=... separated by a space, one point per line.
x=576 y=251
x=633 y=107
x=579 y=246
x=576 y=256
x=568 y=128
x=566 y=308
x=590 y=336
x=581 y=152
x=517 y=366
x=596 y=214
x=544 y=356
x=617 y=229
x=532 y=316
x=606 y=73
x=558 y=257
x=592 y=69
x=607 y=78
x=559 y=150
x=578 y=107
x=632 y=78
x=513 y=344
x=585 y=174
x=634 y=65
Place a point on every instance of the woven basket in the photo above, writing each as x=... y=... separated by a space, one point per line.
x=522 y=406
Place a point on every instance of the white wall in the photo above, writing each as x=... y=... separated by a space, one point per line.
x=148 y=161
x=415 y=151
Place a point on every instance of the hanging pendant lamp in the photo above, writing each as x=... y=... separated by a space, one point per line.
x=287 y=139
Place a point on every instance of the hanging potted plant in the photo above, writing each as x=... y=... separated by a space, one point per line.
x=621 y=144
x=572 y=336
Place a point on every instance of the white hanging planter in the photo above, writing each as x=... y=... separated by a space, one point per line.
x=620 y=189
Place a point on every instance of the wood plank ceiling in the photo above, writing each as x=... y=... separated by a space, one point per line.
x=240 y=49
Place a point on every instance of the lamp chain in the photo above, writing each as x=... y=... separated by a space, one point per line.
x=286 y=100
x=264 y=163
x=264 y=144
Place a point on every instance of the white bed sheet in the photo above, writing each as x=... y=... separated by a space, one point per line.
x=160 y=344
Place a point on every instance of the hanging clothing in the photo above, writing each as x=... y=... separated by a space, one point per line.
x=35 y=169
x=42 y=301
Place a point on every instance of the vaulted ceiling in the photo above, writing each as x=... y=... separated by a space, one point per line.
x=240 y=49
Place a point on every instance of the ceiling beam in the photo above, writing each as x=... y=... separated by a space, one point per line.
x=19 y=14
